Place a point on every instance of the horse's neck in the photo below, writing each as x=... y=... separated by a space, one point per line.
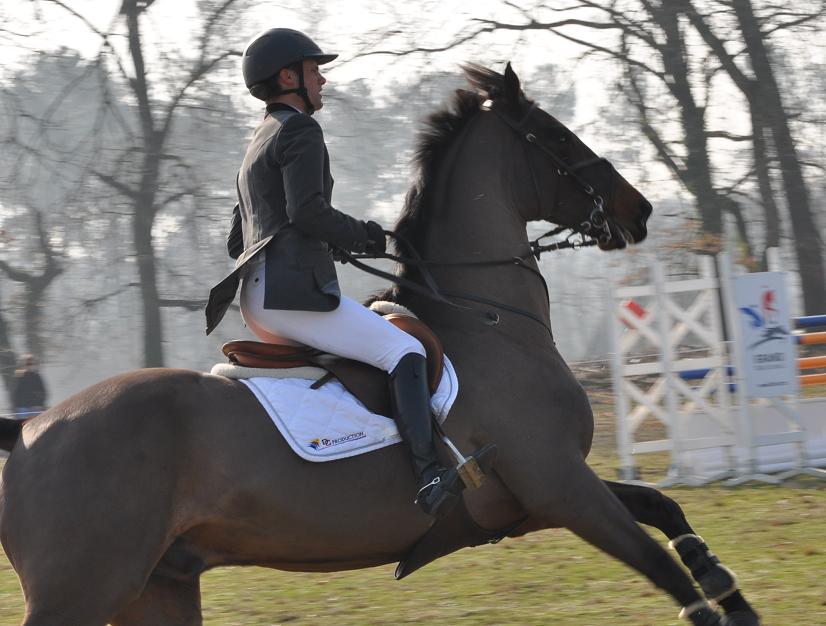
x=475 y=219
x=476 y=213
x=473 y=214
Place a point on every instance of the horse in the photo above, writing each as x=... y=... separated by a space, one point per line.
x=115 y=501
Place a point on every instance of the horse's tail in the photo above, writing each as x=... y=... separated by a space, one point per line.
x=9 y=433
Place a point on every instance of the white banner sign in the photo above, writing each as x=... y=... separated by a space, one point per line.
x=767 y=348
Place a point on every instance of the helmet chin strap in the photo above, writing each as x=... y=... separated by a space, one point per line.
x=301 y=90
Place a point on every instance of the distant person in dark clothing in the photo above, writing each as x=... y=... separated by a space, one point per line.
x=29 y=394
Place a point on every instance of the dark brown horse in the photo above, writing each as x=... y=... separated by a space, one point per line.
x=116 y=500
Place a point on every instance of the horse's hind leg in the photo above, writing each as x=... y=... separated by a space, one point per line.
x=66 y=586
x=582 y=503
x=84 y=534
x=651 y=507
x=164 y=602
x=77 y=596
x=67 y=576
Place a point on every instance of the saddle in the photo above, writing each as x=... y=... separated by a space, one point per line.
x=367 y=383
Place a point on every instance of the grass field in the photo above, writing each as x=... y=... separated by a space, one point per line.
x=774 y=538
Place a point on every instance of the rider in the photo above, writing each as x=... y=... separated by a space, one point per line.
x=291 y=291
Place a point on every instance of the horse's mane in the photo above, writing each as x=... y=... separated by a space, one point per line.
x=440 y=130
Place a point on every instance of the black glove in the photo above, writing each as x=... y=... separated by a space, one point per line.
x=376 y=241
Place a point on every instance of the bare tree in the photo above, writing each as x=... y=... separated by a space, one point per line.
x=672 y=82
x=35 y=284
x=648 y=42
x=143 y=168
x=759 y=85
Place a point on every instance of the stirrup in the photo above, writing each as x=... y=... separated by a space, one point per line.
x=432 y=483
x=455 y=480
x=452 y=481
x=444 y=491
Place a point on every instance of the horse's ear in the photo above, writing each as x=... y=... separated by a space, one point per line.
x=512 y=89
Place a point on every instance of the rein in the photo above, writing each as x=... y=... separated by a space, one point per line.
x=432 y=291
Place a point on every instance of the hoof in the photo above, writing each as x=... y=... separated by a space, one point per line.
x=741 y=618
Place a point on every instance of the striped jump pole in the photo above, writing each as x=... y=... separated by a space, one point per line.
x=811 y=339
x=810 y=321
x=803 y=363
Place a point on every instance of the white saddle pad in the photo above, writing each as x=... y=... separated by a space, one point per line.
x=330 y=423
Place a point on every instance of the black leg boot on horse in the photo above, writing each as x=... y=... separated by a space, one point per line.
x=439 y=488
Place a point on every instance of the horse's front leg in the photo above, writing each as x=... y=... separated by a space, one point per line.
x=582 y=503
x=651 y=507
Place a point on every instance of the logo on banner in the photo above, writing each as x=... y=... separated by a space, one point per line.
x=766 y=319
x=766 y=345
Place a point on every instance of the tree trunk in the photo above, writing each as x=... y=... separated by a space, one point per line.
x=761 y=167
x=697 y=174
x=8 y=359
x=34 y=289
x=33 y=308
x=144 y=205
x=35 y=292
x=143 y=220
x=150 y=301
x=807 y=239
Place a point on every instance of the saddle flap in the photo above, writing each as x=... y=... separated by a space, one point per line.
x=269 y=355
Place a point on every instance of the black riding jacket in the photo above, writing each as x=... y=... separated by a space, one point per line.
x=284 y=191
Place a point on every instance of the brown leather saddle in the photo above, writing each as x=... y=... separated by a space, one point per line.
x=369 y=384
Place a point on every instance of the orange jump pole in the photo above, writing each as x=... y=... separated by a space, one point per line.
x=811 y=339
x=811 y=362
x=813 y=379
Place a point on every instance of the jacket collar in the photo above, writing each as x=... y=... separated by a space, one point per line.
x=272 y=107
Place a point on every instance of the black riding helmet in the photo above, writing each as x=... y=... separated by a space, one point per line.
x=273 y=50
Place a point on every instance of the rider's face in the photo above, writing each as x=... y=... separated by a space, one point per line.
x=314 y=81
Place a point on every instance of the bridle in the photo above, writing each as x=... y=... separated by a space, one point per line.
x=595 y=230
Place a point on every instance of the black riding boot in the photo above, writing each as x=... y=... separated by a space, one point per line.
x=439 y=488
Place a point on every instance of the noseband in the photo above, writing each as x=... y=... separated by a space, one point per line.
x=597 y=228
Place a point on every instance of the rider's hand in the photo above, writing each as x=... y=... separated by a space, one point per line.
x=376 y=241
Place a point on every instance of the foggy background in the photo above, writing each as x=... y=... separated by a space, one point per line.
x=123 y=122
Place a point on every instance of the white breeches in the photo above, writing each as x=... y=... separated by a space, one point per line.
x=352 y=330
